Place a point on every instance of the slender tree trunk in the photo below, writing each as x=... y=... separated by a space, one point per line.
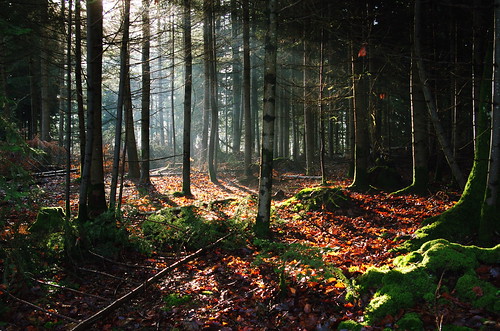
x=134 y=171
x=308 y=116
x=4 y=103
x=172 y=88
x=146 y=96
x=188 y=81
x=207 y=12
x=119 y=109
x=235 y=23
x=214 y=111
x=247 y=111
x=78 y=81
x=443 y=141
x=262 y=222
x=44 y=71
x=68 y=110
x=321 y=112
x=361 y=123
x=419 y=136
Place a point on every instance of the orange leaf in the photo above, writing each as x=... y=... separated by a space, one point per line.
x=362 y=51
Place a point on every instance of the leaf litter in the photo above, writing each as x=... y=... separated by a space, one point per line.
x=242 y=288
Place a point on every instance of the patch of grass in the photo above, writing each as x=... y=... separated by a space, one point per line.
x=175 y=300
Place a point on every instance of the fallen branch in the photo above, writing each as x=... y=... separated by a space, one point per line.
x=121 y=263
x=70 y=289
x=32 y=305
x=301 y=177
x=85 y=324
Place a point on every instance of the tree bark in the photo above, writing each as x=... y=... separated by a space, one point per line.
x=236 y=77
x=124 y=54
x=146 y=95
x=429 y=100
x=490 y=213
x=78 y=81
x=188 y=81
x=247 y=111
x=262 y=222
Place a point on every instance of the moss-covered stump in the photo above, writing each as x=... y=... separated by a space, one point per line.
x=439 y=273
x=318 y=198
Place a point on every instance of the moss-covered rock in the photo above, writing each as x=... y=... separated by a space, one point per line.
x=416 y=275
x=48 y=220
x=318 y=198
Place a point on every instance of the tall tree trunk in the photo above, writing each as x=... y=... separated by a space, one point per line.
x=247 y=111
x=68 y=110
x=419 y=136
x=308 y=116
x=490 y=213
x=134 y=171
x=321 y=112
x=146 y=96
x=119 y=109
x=188 y=82
x=207 y=13
x=443 y=141
x=235 y=23
x=214 y=114
x=172 y=87
x=262 y=221
x=361 y=122
x=93 y=173
x=44 y=87
x=78 y=81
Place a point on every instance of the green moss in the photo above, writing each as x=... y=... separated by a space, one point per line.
x=440 y=255
x=415 y=278
x=350 y=325
x=478 y=292
x=410 y=321
x=49 y=219
x=317 y=198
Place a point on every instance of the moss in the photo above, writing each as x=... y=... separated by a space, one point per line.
x=479 y=293
x=440 y=255
x=416 y=274
x=49 y=219
x=317 y=198
x=350 y=325
x=410 y=321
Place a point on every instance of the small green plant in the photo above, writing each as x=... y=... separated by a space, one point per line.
x=175 y=300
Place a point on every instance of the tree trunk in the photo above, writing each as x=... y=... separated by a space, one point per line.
x=146 y=96
x=68 y=111
x=214 y=114
x=78 y=81
x=188 y=81
x=124 y=54
x=419 y=136
x=206 y=80
x=308 y=117
x=134 y=171
x=361 y=123
x=93 y=173
x=443 y=141
x=236 y=77
x=172 y=89
x=490 y=213
x=262 y=222
x=247 y=111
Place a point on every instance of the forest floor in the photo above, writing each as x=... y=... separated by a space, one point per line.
x=248 y=286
